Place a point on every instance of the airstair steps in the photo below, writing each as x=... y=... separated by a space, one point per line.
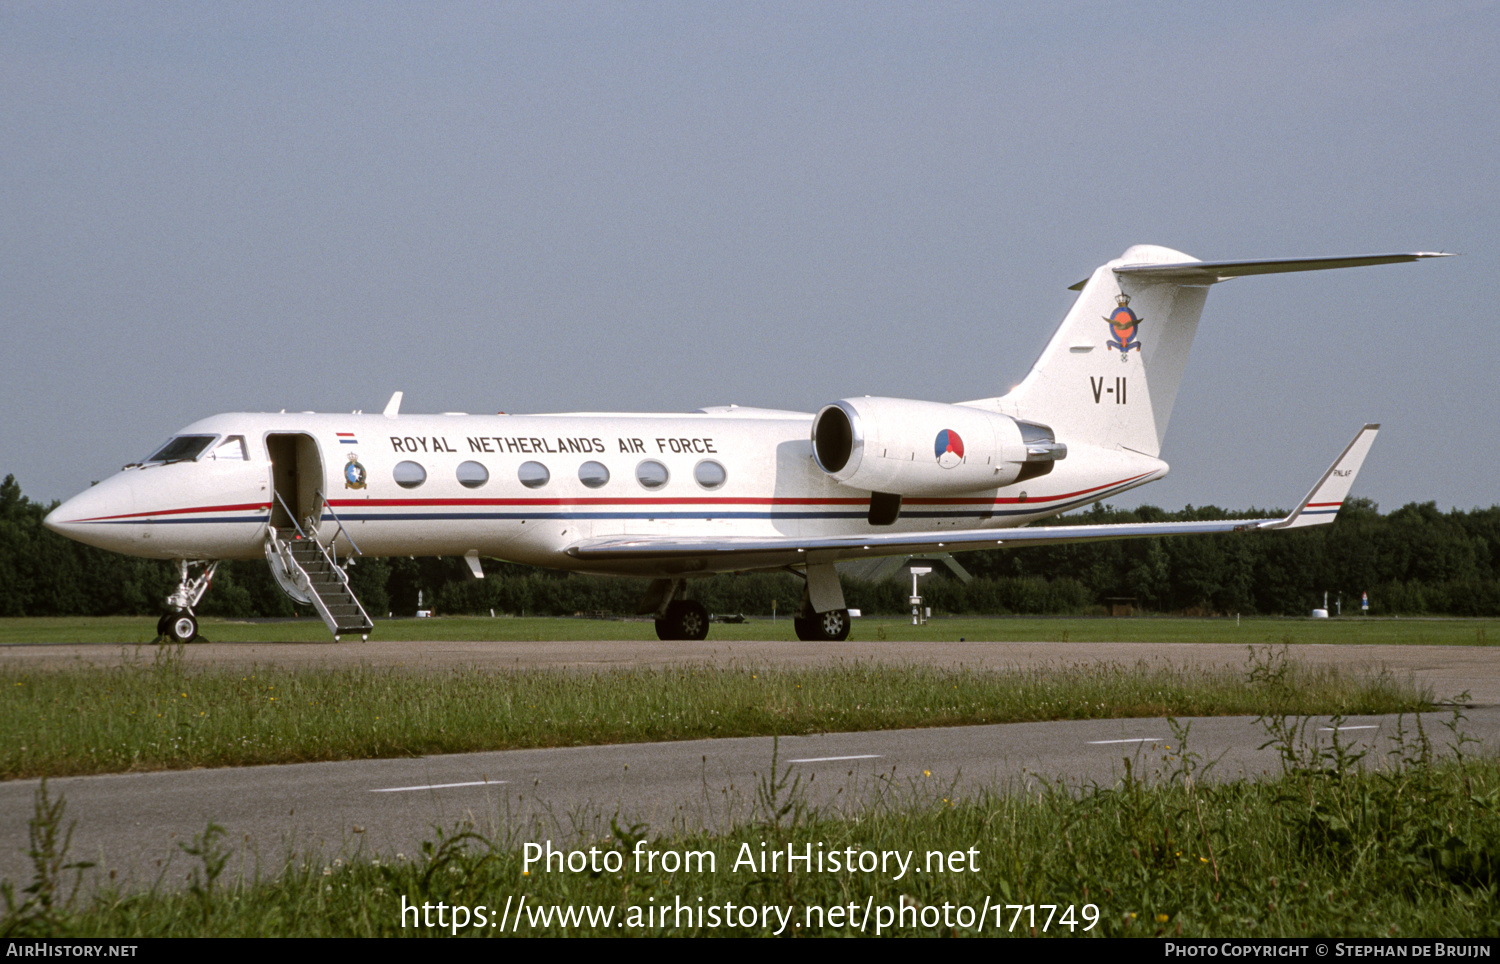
x=325 y=583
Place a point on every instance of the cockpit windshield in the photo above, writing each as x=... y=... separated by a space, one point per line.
x=183 y=448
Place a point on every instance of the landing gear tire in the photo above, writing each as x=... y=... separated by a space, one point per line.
x=161 y=625
x=829 y=627
x=182 y=628
x=684 y=619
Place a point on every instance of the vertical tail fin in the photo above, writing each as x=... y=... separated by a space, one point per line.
x=1091 y=383
x=1110 y=374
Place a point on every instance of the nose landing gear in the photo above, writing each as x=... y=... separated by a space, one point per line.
x=179 y=625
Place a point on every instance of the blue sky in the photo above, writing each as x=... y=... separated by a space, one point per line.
x=658 y=206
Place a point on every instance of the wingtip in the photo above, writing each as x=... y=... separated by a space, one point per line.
x=1327 y=496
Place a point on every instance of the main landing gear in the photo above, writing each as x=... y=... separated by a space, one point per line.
x=821 y=616
x=684 y=619
x=179 y=625
x=829 y=627
x=675 y=618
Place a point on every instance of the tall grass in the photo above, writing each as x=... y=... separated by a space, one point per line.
x=160 y=713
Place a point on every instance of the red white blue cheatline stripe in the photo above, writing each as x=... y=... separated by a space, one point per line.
x=196 y=513
x=642 y=507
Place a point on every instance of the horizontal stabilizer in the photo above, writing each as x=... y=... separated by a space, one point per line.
x=1209 y=272
x=1212 y=272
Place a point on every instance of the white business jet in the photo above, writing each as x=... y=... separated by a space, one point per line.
x=723 y=489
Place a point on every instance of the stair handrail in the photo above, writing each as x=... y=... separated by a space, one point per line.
x=311 y=540
x=333 y=543
x=290 y=514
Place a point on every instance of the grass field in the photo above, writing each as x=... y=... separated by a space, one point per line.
x=1447 y=632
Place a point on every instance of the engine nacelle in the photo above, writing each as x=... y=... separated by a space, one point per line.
x=913 y=448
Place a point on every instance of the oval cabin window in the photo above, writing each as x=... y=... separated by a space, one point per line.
x=651 y=474
x=471 y=475
x=709 y=474
x=409 y=475
x=533 y=475
x=593 y=474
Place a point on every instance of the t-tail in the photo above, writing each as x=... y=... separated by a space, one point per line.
x=1110 y=374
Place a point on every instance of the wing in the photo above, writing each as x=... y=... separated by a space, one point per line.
x=735 y=554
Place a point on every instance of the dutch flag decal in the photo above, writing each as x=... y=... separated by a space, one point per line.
x=347 y=438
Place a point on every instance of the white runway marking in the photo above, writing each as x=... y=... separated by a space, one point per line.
x=1139 y=739
x=1330 y=729
x=442 y=786
x=834 y=759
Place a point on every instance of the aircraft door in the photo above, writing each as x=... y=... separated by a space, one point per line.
x=297 y=477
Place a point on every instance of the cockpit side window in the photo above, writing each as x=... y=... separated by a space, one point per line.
x=183 y=448
x=232 y=448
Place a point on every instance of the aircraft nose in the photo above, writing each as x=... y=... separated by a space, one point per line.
x=57 y=519
x=94 y=516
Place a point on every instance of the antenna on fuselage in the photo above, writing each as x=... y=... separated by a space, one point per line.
x=393 y=406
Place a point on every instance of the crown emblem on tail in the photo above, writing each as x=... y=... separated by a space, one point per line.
x=1124 y=324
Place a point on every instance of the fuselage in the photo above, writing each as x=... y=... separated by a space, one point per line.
x=523 y=488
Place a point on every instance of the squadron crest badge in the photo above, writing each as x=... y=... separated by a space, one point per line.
x=1123 y=325
x=354 y=473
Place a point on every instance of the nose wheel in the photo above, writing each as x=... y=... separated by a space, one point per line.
x=179 y=624
x=177 y=627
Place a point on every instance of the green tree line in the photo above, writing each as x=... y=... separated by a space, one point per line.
x=1413 y=561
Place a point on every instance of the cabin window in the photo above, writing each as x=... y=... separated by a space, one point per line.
x=593 y=474
x=232 y=448
x=651 y=474
x=533 y=475
x=471 y=475
x=183 y=448
x=709 y=474
x=409 y=475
